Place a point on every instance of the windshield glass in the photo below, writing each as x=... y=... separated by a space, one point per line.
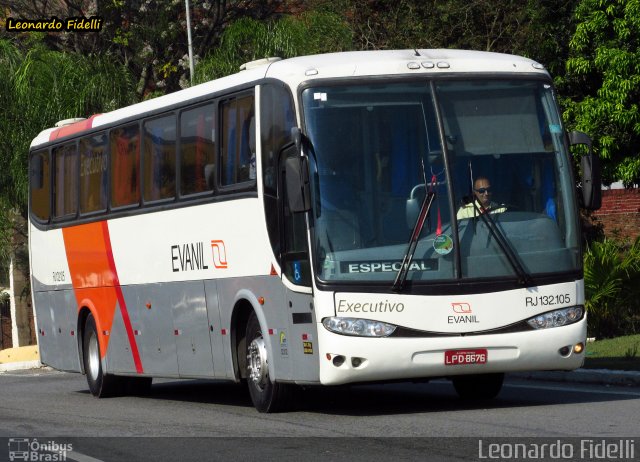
x=377 y=152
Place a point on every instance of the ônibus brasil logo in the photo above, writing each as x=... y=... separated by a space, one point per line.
x=33 y=450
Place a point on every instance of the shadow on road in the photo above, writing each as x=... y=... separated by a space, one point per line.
x=395 y=398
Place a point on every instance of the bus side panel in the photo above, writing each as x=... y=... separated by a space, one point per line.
x=274 y=312
x=170 y=328
x=150 y=311
x=56 y=311
x=289 y=332
x=191 y=329
x=220 y=366
x=303 y=339
x=119 y=358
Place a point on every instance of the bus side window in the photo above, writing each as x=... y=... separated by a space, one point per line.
x=65 y=191
x=197 y=150
x=236 y=156
x=40 y=184
x=296 y=264
x=276 y=120
x=159 y=160
x=125 y=166
x=93 y=173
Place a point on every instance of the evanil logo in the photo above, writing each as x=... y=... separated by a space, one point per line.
x=464 y=315
x=461 y=307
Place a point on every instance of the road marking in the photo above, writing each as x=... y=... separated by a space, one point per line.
x=580 y=390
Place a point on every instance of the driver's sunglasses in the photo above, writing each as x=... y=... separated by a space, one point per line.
x=483 y=190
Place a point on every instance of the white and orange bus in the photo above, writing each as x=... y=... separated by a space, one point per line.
x=298 y=223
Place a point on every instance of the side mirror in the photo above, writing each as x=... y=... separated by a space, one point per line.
x=296 y=137
x=591 y=174
x=297 y=181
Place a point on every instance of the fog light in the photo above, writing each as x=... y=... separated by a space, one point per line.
x=355 y=362
x=338 y=360
x=564 y=351
x=578 y=348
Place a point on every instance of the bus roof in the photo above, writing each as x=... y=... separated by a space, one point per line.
x=294 y=71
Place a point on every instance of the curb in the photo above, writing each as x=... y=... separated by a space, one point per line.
x=19 y=366
x=587 y=376
x=20 y=358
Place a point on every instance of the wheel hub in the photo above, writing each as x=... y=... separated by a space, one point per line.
x=257 y=362
x=94 y=356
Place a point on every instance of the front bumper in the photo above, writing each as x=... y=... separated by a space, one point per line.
x=392 y=358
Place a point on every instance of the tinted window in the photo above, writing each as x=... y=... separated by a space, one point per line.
x=93 y=173
x=197 y=150
x=40 y=184
x=276 y=118
x=65 y=181
x=238 y=141
x=125 y=165
x=160 y=158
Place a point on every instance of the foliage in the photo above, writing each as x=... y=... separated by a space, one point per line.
x=247 y=40
x=612 y=287
x=620 y=353
x=602 y=85
x=38 y=87
x=539 y=29
x=148 y=36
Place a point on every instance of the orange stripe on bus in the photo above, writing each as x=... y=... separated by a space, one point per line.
x=72 y=128
x=95 y=280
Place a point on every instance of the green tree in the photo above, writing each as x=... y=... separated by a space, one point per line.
x=612 y=287
x=38 y=87
x=602 y=85
x=148 y=36
x=248 y=39
x=539 y=29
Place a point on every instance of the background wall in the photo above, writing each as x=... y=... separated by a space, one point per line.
x=620 y=213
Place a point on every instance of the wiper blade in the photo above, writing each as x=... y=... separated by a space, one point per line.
x=523 y=277
x=401 y=277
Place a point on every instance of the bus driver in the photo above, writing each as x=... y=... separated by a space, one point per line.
x=483 y=202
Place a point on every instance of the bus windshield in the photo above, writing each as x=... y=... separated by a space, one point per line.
x=491 y=152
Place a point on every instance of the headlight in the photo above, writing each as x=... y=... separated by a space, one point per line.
x=557 y=318
x=359 y=327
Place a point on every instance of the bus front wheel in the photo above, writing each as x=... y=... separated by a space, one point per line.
x=267 y=396
x=478 y=387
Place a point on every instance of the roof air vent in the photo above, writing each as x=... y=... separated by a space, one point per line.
x=258 y=63
x=64 y=122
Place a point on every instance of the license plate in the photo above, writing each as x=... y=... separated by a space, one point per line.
x=458 y=357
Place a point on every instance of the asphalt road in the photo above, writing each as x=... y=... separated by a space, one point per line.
x=208 y=420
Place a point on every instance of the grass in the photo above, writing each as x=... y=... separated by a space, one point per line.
x=620 y=353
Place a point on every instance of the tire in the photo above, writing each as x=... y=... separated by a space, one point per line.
x=101 y=385
x=478 y=387
x=267 y=396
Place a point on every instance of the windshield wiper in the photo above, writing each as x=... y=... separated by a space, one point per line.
x=401 y=277
x=523 y=277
